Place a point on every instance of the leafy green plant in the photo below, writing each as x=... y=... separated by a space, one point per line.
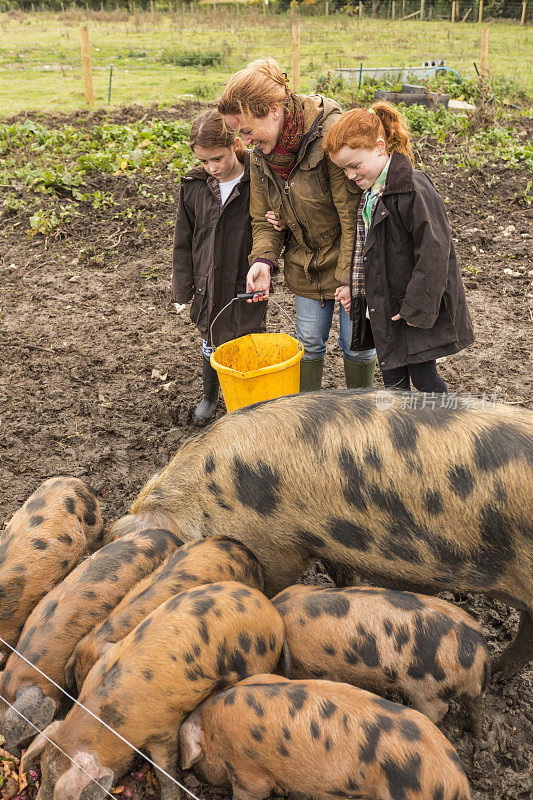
x=191 y=58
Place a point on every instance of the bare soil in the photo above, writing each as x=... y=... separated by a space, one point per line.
x=100 y=375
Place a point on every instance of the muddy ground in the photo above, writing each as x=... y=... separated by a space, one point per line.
x=100 y=374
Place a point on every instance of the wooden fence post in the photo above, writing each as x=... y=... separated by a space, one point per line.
x=453 y=10
x=480 y=12
x=523 y=18
x=394 y=9
x=295 y=57
x=485 y=53
x=86 y=62
x=422 y=3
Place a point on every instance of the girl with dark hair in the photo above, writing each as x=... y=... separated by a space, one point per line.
x=212 y=239
x=405 y=288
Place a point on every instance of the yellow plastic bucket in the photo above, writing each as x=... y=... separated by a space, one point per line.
x=257 y=367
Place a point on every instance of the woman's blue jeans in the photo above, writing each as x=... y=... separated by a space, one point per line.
x=313 y=324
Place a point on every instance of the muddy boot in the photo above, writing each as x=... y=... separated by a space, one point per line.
x=206 y=409
x=311 y=375
x=359 y=375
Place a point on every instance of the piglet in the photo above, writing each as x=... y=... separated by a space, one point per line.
x=44 y=540
x=62 y=618
x=318 y=739
x=198 y=642
x=198 y=562
x=427 y=650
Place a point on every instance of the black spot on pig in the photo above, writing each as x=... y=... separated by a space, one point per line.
x=461 y=481
x=209 y=465
x=387 y=705
x=402 y=777
x=229 y=698
x=40 y=544
x=387 y=626
x=468 y=641
x=368 y=747
x=256 y=734
x=70 y=505
x=141 y=628
x=245 y=642
x=111 y=677
x=315 y=730
x=310 y=538
x=327 y=708
x=404 y=600
x=48 y=610
x=35 y=521
x=88 y=594
x=201 y=606
x=449 y=553
x=433 y=503
x=409 y=730
x=282 y=750
x=393 y=548
x=257 y=487
x=65 y=538
x=147 y=674
x=237 y=663
x=89 y=518
x=111 y=715
x=345 y=723
x=447 y=693
x=256 y=707
x=329 y=650
x=403 y=432
x=372 y=458
x=390 y=674
x=428 y=634
x=334 y=605
x=260 y=645
x=203 y=631
x=272 y=642
x=297 y=696
x=364 y=648
x=34 y=505
x=348 y=534
x=452 y=755
x=286 y=732
x=496 y=446
x=438 y=792
x=355 y=480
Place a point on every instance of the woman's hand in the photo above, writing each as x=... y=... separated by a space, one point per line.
x=342 y=294
x=397 y=317
x=275 y=221
x=258 y=280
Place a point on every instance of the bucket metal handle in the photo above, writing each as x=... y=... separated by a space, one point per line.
x=248 y=296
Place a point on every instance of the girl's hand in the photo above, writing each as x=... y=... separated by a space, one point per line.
x=275 y=221
x=397 y=317
x=258 y=280
x=342 y=294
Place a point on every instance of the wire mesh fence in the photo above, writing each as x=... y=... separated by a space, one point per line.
x=162 y=57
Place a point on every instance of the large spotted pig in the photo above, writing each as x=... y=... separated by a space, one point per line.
x=204 y=561
x=54 y=529
x=427 y=650
x=62 y=618
x=319 y=739
x=415 y=498
x=199 y=641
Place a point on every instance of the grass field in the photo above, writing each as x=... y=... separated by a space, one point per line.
x=159 y=57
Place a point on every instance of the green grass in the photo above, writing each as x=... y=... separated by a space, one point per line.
x=162 y=57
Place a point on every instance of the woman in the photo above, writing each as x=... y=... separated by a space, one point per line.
x=301 y=201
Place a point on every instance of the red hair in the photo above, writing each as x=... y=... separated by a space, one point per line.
x=362 y=127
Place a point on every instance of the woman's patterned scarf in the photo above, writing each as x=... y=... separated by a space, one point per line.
x=283 y=156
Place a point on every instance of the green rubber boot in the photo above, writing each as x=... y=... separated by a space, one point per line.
x=207 y=407
x=359 y=375
x=311 y=375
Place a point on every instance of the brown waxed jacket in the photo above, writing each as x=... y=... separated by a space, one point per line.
x=210 y=257
x=317 y=203
x=411 y=270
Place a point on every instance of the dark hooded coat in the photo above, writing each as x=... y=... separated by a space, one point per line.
x=411 y=269
x=210 y=257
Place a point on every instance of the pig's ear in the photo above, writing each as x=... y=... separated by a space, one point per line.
x=32 y=704
x=36 y=748
x=93 y=784
x=190 y=740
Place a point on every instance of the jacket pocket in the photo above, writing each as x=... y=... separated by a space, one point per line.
x=199 y=299
x=442 y=333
